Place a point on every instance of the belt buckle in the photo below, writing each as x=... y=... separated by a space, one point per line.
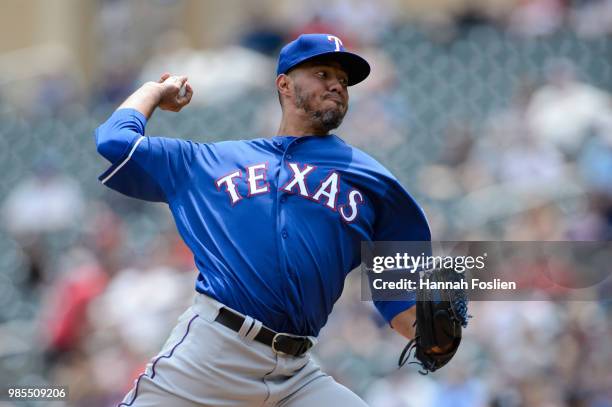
x=280 y=352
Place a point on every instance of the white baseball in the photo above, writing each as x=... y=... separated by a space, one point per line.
x=183 y=90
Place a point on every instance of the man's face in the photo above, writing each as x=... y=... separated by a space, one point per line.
x=320 y=90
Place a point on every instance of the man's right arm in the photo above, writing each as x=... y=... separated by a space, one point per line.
x=144 y=167
x=165 y=94
x=120 y=131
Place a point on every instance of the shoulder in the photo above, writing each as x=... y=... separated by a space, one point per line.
x=243 y=143
x=381 y=180
x=364 y=163
x=234 y=147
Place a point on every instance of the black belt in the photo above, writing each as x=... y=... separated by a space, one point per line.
x=282 y=343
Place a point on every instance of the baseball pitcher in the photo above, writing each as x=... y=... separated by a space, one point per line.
x=275 y=225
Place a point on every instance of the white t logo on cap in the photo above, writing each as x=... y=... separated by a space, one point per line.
x=336 y=40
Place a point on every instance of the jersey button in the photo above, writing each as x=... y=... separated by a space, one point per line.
x=277 y=143
x=283 y=199
x=288 y=156
x=284 y=234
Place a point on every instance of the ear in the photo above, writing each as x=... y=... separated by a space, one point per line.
x=283 y=84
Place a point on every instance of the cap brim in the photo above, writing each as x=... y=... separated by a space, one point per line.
x=355 y=66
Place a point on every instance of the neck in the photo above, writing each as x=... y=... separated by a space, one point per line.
x=298 y=128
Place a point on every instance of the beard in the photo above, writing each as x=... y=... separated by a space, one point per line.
x=323 y=120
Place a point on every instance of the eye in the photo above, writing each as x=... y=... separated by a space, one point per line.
x=321 y=74
x=344 y=81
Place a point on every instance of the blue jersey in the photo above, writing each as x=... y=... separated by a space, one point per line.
x=275 y=224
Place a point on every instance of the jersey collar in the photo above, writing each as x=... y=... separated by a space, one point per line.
x=285 y=141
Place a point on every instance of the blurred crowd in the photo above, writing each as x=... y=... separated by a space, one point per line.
x=499 y=122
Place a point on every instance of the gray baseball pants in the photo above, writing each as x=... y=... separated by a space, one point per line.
x=204 y=363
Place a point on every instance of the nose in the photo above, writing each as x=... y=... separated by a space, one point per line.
x=335 y=86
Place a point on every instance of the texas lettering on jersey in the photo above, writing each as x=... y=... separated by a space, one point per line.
x=326 y=193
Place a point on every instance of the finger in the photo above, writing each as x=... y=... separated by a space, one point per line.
x=184 y=100
x=164 y=76
x=188 y=91
x=188 y=96
x=171 y=79
x=182 y=80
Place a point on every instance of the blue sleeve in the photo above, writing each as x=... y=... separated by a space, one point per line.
x=400 y=218
x=148 y=168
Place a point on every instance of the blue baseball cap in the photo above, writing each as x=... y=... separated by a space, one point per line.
x=310 y=46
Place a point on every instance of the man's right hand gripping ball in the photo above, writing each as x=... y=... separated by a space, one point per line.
x=174 y=92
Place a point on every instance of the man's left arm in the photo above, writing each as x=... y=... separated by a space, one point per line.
x=401 y=219
x=403 y=323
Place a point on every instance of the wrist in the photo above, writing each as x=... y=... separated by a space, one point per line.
x=153 y=91
x=403 y=322
x=145 y=99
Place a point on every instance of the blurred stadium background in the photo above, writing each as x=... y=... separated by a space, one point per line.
x=495 y=114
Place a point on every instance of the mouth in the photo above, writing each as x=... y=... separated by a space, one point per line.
x=336 y=99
